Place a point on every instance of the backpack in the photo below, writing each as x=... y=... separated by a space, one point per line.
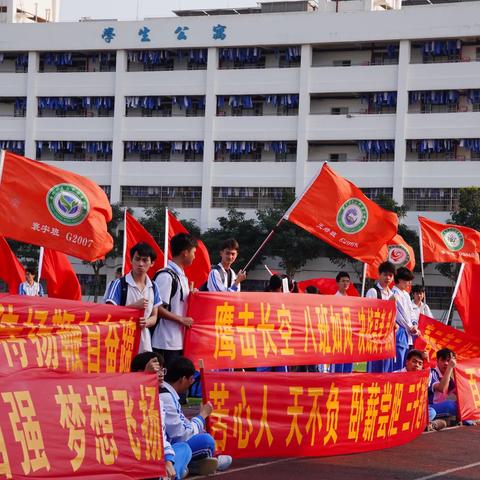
x=379 y=292
x=204 y=287
x=175 y=284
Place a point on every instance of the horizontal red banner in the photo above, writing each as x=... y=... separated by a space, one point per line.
x=301 y=414
x=436 y=335
x=269 y=329
x=467 y=379
x=66 y=335
x=62 y=426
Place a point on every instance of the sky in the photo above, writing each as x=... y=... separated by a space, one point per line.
x=73 y=10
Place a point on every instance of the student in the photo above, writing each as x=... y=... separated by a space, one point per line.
x=174 y=290
x=179 y=377
x=30 y=287
x=381 y=290
x=414 y=363
x=442 y=388
x=222 y=278
x=136 y=290
x=419 y=306
x=405 y=318
x=343 y=282
x=118 y=274
x=179 y=455
x=274 y=284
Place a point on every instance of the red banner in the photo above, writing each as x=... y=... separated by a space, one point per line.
x=268 y=329
x=59 y=425
x=66 y=335
x=436 y=335
x=301 y=414
x=467 y=379
x=466 y=300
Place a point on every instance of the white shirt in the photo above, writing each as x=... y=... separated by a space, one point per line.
x=113 y=296
x=216 y=284
x=33 y=290
x=405 y=315
x=168 y=334
x=338 y=294
x=423 y=309
x=386 y=292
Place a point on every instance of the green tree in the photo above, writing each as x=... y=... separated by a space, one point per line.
x=245 y=231
x=293 y=245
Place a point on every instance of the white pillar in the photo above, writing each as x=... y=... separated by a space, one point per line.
x=32 y=105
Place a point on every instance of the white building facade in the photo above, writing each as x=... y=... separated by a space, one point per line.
x=204 y=112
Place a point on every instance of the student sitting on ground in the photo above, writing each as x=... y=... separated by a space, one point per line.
x=179 y=377
x=179 y=455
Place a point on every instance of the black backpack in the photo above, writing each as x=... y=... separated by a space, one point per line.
x=204 y=287
x=175 y=284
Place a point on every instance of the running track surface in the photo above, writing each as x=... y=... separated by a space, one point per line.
x=452 y=454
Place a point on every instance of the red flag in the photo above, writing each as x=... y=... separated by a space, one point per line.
x=335 y=210
x=442 y=242
x=198 y=271
x=53 y=208
x=62 y=281
x=11 y=270
x=134 y=233
x=399 y=252
x=327 y=286
x=466 y=300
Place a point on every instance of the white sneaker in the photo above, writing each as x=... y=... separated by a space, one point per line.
x=224 y=462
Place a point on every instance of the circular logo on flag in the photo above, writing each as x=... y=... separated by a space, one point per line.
x=352 y=216
x=67 y=204
x=453 y=239
x=398 y=255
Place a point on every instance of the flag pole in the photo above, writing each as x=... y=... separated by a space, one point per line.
x=364 y=278
x=40 y=266
x=420 y=239
x=269 y=236
x=165 y=240
x=455 y=291
x=124 y=252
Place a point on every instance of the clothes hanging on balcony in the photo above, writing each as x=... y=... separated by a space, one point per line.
x=20 y=103
x=379 y=99
x=376 y=147
x=437 y=48
x=15 y=146
x=58 y=58
x=435 y=97
x=56 y=146
x=159 y=147
x=442 y=145
x=74 y=103
x=472 y=144
x=287 y=100
x=22 y=60
x=473 y=96
x=242 y=55
x=237 y=101
x=150 y=57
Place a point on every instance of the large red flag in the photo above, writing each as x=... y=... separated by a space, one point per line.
x=198 y=271
x=335 y=210
x=62 y=281
x=51 y=207
x=134 y=233
x=11 y=270
x=466 y=300
x=327 y=286
x=399 y=252
x=442 y=242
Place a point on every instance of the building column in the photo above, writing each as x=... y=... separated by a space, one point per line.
x=401 y=121
x=303 y=116
x=118 y=116
x=208 y=138
x=32 y=105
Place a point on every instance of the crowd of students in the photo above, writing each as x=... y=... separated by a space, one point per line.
x=163 y=300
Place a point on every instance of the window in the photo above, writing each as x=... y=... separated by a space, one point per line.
x=431 y=199
x=149 y=196
x=3 y=9
x=378 y=192
x=339 y=111
x=338 y=157
x=249 y=197
x=342 y=63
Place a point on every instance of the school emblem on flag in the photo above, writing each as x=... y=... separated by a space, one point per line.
x=453 y=239
x=398 y=255
x=352 y=216
x=67 y=204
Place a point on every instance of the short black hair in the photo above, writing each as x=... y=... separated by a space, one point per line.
x=403 y=273
x=342 y=275
x=178 y=368
x=119 y=270
x=143 y=250
x=386 y=267
x=312 y=289
x=180 y=242
x=140 y=361
x=418 y=289
x=231 y=244
x=415 y=353
x=445 y=354
x=274 y=283
x=31 y=271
